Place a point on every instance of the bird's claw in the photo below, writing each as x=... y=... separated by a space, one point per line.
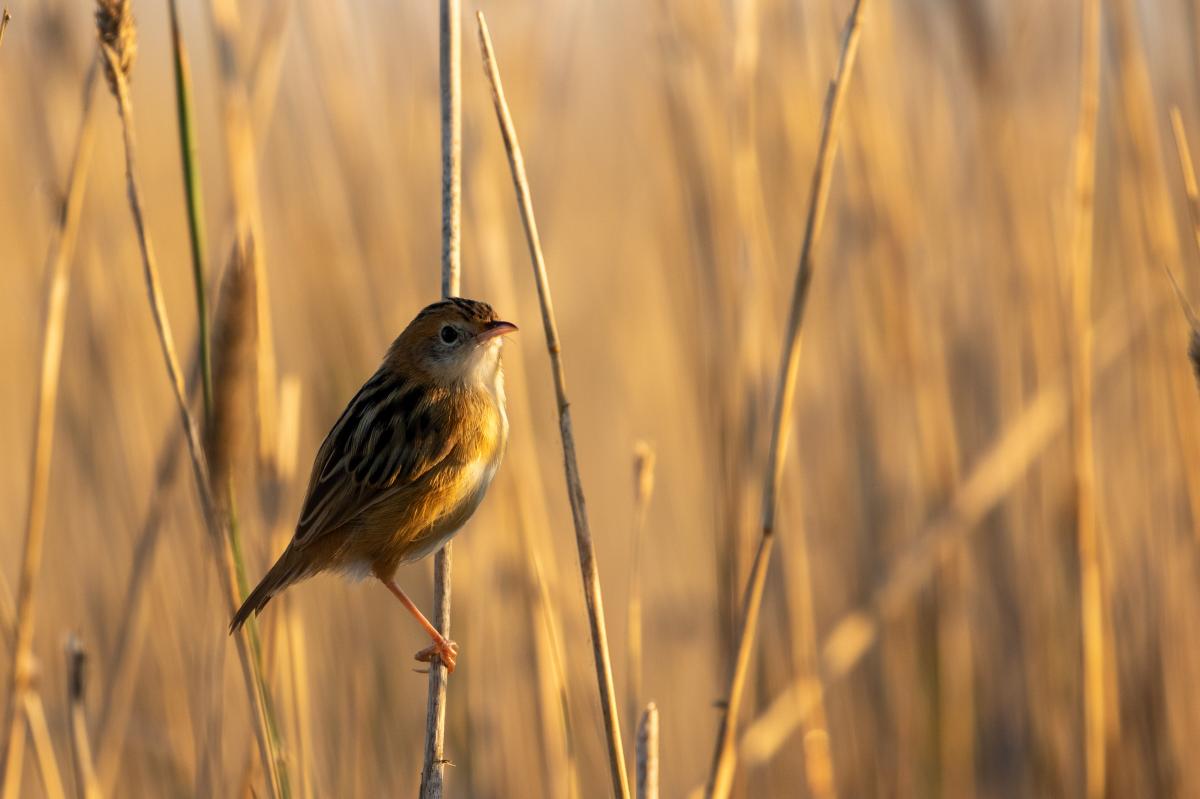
x=445 y=651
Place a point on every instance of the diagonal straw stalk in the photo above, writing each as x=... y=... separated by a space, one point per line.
x=583 y=536
x=62 y=250
x=43 y=747
x=990 y=480
x=265 y=731
x=725 y=758
x=433 y=771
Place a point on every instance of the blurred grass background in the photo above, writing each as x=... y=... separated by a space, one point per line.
x=669 y=147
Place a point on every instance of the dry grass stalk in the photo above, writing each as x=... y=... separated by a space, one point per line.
x=43 y=746
x=118 y=35
x=119 y=690
x=243 y=182
x=551 y=661
x=724 y=758
x=58 y=262
x=643 y=489
x=433 y=770
x=583 y=536
x=1087 y=535
x=988 y=483
x=856 y=632
x=282 y=632
x=300 y=705
x=264 y=730
x=559 y=759
x=647 y=753
x=86 y=784
x=131 y=634
x=1192 y=189
x=5 y=18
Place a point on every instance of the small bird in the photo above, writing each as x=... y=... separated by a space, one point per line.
x=408 y=461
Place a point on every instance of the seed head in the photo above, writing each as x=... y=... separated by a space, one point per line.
x=118 y=33
x=234 y=333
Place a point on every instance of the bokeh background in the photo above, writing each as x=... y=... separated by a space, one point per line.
x=670 y=146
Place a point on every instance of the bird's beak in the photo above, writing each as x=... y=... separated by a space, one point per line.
x=494 y=329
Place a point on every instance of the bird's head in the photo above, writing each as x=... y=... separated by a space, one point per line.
x=453 y=341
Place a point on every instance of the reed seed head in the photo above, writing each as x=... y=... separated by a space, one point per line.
x=118 y=33
x=234 y=334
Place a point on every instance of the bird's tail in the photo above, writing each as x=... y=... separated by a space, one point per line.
x=287 y=570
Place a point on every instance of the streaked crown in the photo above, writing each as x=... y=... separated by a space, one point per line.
x=467 y=310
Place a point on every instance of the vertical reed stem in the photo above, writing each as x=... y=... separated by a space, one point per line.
x=1091 y=590
x=643 y=488
x=62 y=251
x=725 y=757
x=583 y=535
x=433 y=771
x=195 y=200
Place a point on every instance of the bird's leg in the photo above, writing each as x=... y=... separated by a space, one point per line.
x=442 y=647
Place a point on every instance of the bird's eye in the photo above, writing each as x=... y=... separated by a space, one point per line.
x=449 y=334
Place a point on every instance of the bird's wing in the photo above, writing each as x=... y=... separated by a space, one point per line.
x=391 y=434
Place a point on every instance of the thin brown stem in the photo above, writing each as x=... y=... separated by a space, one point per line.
x=433 y=769
x=5 y=18
x=583 y=536
x=725 y=757
x=251 y=674
x=62 y=250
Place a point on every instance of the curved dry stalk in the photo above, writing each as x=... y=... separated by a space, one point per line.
x=433 y=770
x=1008 y=459
x=62 y=250
x=265 y=730
x=724 y=758
x=5 y=18
x=583 y=536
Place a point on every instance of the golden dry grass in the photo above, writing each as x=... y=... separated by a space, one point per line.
x=669 y=148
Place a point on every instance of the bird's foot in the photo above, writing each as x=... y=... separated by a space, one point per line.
x=444 y=650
